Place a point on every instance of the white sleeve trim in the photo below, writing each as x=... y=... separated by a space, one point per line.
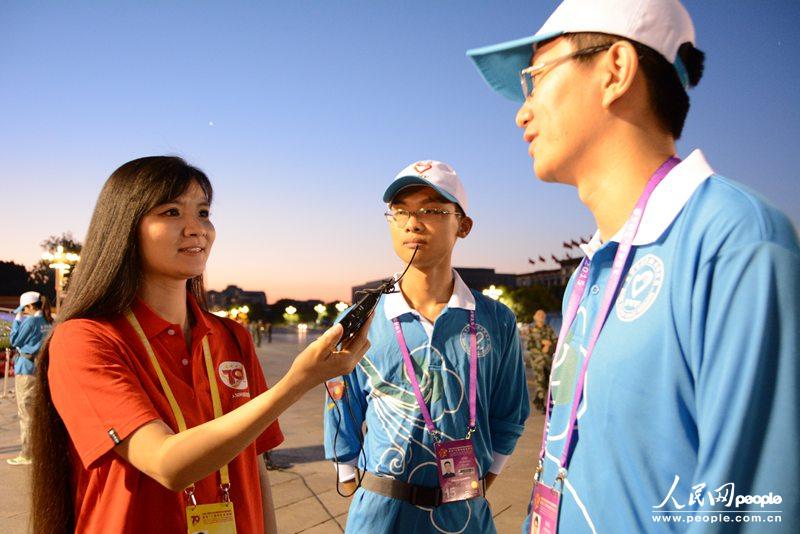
x=346 y=470
x=498 y=462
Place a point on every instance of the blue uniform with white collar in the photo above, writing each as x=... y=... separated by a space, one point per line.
x=397 y=443
x=27 y=335
x=692 y=392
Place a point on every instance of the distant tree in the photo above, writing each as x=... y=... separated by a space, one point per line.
x=13 y=278
x=66 y=240
x=41 y=277
x=262 y=312
x=305 y=309
x=524 y=301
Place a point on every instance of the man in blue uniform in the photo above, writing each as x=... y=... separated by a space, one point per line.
x=31 y=326
x=444 y=328
x=676 y=382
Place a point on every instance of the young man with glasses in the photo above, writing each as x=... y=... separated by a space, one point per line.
x=438 y=435
x=674 y=390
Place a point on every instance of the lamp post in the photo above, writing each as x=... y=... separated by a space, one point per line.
x=291 y=315
x=61 y=262
x=493 y=292
x=321 y=310
x=239 y=313
x=341 y=306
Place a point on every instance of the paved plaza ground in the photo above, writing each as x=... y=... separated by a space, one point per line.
x=304 y=486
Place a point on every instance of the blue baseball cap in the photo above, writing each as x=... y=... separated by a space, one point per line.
x=663 y=25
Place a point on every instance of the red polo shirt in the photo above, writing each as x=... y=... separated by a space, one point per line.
x=101 y=380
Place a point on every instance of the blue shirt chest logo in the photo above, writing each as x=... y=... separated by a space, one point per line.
x=642 y=285
x=483 y=338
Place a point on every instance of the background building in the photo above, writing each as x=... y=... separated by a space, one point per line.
x=481 y=278
x=475 y=278
x=550 y=277
x=235 y=296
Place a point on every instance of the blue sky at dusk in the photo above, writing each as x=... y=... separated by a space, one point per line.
x=302 y=112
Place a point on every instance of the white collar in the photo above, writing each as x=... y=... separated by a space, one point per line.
x=395 y=305
x=667 y=200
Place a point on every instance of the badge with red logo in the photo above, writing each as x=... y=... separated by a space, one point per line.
x=336 y=389
x=422 y=166
x=232 y=375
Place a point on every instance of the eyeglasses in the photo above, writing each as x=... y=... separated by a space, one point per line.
x=426 y=215
x=528 y=75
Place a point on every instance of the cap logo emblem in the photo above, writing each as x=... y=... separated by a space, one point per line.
x=422 y=166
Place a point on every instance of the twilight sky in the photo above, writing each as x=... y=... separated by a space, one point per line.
x=302 y=112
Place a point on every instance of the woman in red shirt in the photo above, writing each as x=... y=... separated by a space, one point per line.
x=152 y=412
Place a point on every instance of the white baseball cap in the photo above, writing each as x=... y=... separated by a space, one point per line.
x=435 y=174
x=663 y=25
x=29 y=297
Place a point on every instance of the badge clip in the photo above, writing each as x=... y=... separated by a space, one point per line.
x=190 y=495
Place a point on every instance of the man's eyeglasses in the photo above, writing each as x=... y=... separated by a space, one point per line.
x=426 y=215
x=528 y=75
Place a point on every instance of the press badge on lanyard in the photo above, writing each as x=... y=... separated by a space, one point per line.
x=455 y=460
x=546 y=500
x=213 y=518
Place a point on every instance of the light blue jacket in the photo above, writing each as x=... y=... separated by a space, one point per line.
x=27 y=335
x=397 y=443
x=692 y=393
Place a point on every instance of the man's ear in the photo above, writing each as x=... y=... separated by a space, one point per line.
x=464 y=227
x=620 y=65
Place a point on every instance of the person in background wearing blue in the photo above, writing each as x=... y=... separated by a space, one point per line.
x=675 y=386
x=436 y=326
x=31 y=325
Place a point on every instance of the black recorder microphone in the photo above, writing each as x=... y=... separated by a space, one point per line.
x=354 y=319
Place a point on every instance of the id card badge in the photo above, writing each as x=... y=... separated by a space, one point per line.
x=458 y=470
x=215 y=518
x=544 y=509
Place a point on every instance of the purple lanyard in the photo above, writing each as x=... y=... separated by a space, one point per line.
x=473 y=376
x=575 y=298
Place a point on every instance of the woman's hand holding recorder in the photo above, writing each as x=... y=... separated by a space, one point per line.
x=320 y=361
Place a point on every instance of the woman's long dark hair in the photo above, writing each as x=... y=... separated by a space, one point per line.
x=104 y=284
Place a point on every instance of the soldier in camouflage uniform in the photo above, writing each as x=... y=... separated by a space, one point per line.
x=541 y=344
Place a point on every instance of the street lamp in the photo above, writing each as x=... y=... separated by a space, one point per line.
x=61 y=262
x=341 y=306
x=291 y=316
x=239 y=313
x=321 y=310
x=493 y=292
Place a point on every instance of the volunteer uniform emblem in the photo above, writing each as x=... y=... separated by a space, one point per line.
x=233 y=375
x=336 y=388
x=483 y=339
x=642 y=286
